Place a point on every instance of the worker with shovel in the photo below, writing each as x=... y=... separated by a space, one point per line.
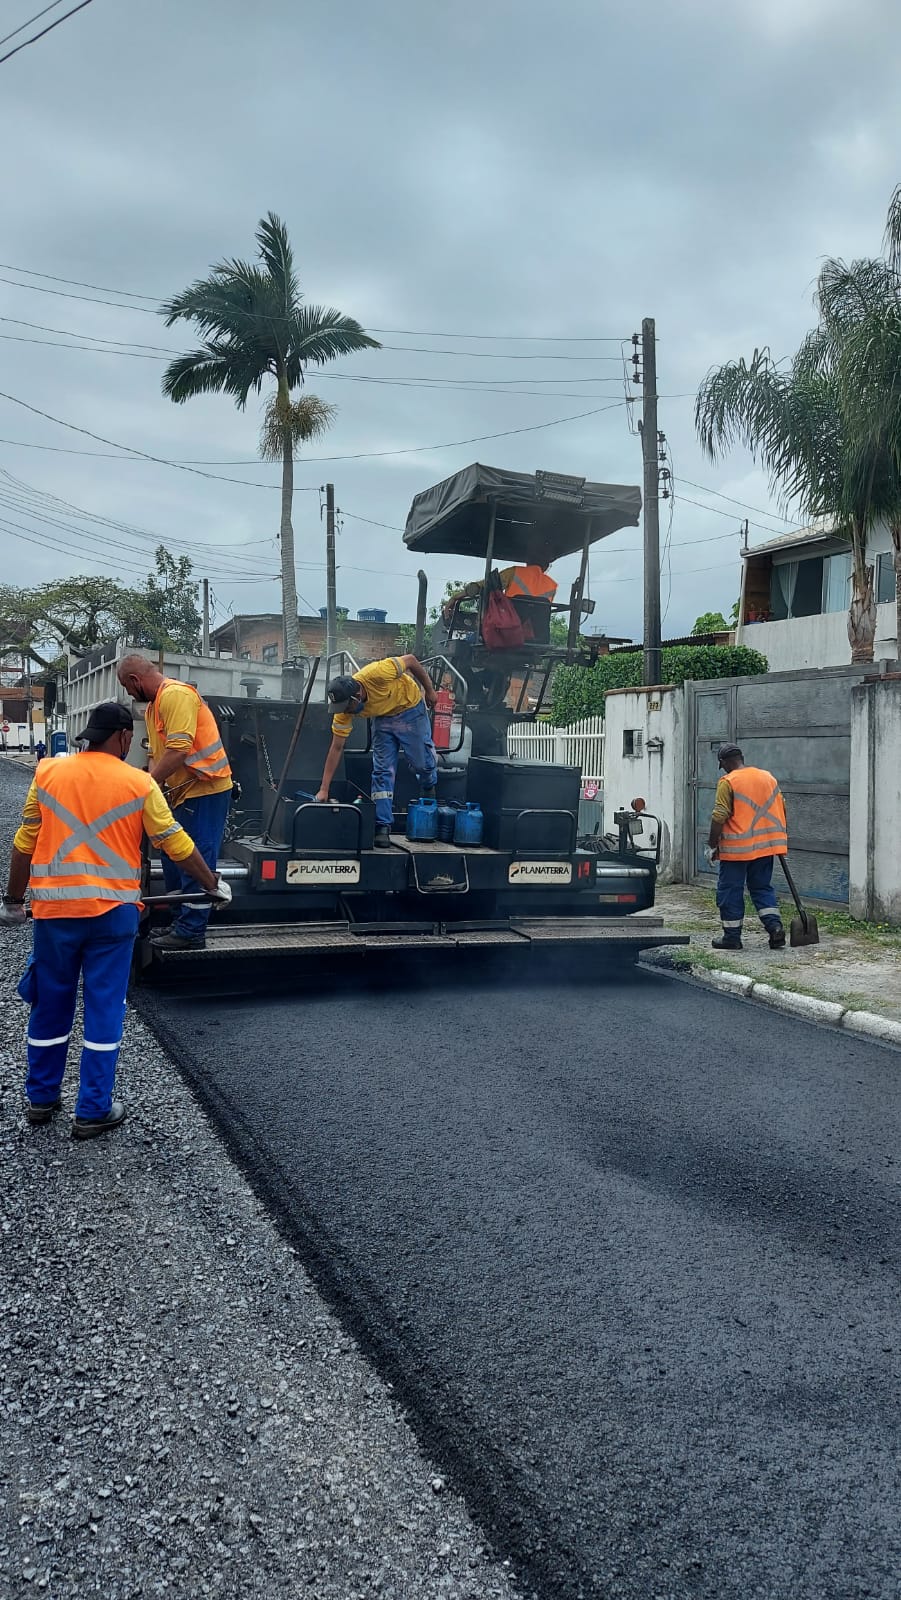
x=747 y=832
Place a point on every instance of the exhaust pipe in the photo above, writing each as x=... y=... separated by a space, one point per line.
x=419 y=638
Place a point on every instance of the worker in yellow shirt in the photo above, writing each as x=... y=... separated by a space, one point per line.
x=188 y=757
x=398 y=694
x=78 y=851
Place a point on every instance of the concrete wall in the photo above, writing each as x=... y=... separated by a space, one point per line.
x=875 y=863
x=815 y=641
x=657 y=773
x=93 y=680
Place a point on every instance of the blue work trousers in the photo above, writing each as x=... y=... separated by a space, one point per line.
x=204 y=818
x=410 y=732
x=97 y=949
x=755 y=876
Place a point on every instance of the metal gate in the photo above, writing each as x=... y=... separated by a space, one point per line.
x=798 y=726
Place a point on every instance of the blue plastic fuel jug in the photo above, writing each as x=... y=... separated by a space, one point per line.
x=422 y=819
x=469 y=825
x=447 y=817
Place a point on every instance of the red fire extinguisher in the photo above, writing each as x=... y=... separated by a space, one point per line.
x=441 y=720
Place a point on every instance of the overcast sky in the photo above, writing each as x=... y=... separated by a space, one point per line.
x=478 y=169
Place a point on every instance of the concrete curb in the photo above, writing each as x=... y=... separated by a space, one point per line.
x=876 y=1027
x=807 y=1006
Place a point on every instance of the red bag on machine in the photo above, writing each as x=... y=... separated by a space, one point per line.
x=502 y=627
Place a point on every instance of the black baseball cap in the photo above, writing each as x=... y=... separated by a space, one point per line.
x=105 y=720
x=729 y=750
x=341 y=691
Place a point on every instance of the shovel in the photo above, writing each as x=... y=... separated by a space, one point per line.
x=803 y=928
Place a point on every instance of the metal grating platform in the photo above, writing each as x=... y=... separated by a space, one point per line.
x=271 y=941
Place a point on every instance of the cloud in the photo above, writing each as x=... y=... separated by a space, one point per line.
x=460 y=171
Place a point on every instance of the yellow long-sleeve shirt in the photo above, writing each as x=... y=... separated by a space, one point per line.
x=159 y=824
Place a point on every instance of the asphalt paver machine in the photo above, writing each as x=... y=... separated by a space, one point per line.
x=307 y=882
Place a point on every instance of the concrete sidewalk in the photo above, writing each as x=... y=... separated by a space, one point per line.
x=856 y=964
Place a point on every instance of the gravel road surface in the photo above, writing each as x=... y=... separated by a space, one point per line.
x=180 y=1413
x=630 y=1254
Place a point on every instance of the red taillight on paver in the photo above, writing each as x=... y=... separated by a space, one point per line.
x=626 y=899
x=267 y=871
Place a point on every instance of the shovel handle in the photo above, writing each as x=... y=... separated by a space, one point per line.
x=794 y=892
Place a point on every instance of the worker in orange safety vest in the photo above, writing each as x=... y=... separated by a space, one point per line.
x=188 y=757
x=78 y=850
x=526 y=582
x=747 y=831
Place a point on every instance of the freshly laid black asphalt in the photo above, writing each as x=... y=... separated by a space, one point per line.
x=629 y=1252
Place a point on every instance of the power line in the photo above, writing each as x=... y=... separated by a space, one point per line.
x=412 y=333
x=23 y=25
x=508 y=338
x=98 y=348
x=452 y=444
x=49 y=29
x=358 y=455
x=24 y=504
x=75 y=333
x=745 y=504
x=162 y=461
x=719 y=513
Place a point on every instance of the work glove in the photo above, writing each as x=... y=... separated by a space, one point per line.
x=711 y=854
x=11 y=912
x=223 y=892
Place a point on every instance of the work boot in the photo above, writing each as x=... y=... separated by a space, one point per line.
x=777 y=935
x=428 y=794
x=177 y=941
x=728 y=941
x=92 y=1127
x=37 y=1115
x=382 y=837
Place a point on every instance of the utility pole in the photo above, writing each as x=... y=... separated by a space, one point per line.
x=653 y=668
x=26 y=671
x=205 y=643
x=331 y=631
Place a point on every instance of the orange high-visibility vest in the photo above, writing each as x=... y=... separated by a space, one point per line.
x=757 y=825
x=206 y=757
x=531 y=581
x=88 y=853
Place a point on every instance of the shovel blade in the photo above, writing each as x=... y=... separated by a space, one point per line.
x=799 y=935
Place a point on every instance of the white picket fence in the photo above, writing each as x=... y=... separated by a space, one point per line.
x=580 y=745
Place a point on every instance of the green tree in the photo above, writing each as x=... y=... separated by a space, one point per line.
x=256 y=327
x=70 y=615
x=710 y=622
x=861 y=308
x=829 y=427
x=170 y=616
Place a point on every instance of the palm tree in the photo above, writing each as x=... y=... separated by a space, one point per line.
x=255 y=326
x=793 y=424
x=860 y=306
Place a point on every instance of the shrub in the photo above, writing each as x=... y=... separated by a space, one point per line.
x=579 y=691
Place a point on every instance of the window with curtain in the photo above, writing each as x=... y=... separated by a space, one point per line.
x=837 y=581
x=796 y=589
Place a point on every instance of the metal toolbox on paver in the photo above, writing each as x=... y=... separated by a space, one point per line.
x=499 y=784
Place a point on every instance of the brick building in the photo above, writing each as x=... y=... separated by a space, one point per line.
x=259 y=638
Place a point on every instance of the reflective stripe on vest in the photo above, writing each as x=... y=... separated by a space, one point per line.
x=531 y=583
x=203 y=761
x=757 y=825
x=86 y=887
